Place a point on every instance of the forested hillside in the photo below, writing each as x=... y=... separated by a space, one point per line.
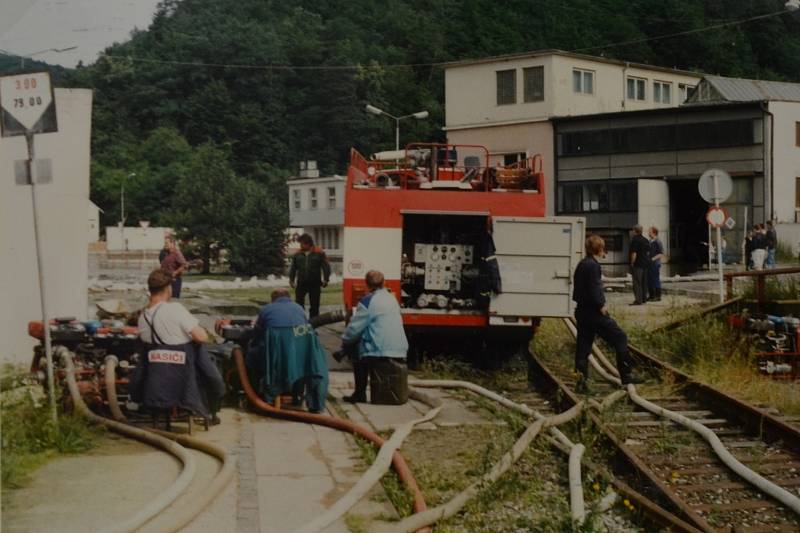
x=286 y=81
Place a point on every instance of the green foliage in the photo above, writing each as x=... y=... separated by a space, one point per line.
x=29 y=437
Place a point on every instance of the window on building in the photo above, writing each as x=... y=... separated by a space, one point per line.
x=506 y=87
x=797 y=194
x=797 y=134
x=510 y=159
x=597 y=196
x=331 y=197
x=637 y=89
x=533 y=81
x=335 y=238
x=683 y=92
x=312 y=198
x=296 y=198
x=662 y=92
x=582 y=81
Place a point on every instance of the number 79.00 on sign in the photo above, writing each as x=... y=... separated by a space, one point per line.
x=24 y=100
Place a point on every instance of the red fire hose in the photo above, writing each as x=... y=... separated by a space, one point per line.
x=399 y=464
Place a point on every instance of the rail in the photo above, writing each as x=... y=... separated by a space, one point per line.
x=761 y=283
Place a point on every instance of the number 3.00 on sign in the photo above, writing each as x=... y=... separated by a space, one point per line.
x=25 y=97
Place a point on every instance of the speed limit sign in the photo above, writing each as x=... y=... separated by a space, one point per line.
x=27 y=104
x=716 y=217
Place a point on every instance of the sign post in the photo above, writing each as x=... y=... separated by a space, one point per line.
x=27 y=107
x=716 y=186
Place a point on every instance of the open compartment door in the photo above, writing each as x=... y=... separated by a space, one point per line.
x=537 y=257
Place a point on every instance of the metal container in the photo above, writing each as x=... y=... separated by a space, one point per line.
x=388 y=381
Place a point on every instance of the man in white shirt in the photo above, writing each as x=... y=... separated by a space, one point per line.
x=174 y=370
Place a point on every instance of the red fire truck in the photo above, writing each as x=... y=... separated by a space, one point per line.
x=464 y=245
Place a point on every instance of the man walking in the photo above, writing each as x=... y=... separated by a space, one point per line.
x=759 y=245
x=174 y=263
x=377 y=329
x=310 y=271
x=654 y=272
x=591 y=315
x=640 y=263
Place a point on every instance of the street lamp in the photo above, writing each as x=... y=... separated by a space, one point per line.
x=419 y=115
x=122 y=210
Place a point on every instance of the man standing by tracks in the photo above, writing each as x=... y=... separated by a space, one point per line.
x=640 y=264
x=591 y=315
x=310 y=271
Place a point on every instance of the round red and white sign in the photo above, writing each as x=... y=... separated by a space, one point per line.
x=716 y=217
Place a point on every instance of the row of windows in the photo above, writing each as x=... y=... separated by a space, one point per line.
x=718 y=134
x=532 y=83
x=598 y=196
x=582 y=83
x=327 y=238
x=313 y=201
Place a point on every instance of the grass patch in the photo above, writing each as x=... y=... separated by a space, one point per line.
x=785 y=287
x=29 y=437
x=783 y=253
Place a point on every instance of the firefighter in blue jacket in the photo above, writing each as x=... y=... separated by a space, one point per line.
x=591 y=314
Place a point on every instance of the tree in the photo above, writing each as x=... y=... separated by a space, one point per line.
x=208 y=200
x=258 y=246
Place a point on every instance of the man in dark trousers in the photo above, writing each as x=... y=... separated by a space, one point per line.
x=591 y=314
x=309 y=272
x=640 y=264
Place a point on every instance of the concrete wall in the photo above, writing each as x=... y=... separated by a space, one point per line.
x=654 y=208
x=471 y=90
x=63 y=205
x=137 y=238
x=94 y=223
x=532 y=138
x=786 y=160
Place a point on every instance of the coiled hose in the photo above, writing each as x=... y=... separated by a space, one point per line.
x=188 y=511
x=399 y=464
x=168 y=496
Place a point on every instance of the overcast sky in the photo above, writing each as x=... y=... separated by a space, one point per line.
x=28 y=26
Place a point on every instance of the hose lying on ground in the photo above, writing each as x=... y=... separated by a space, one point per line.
x=184 y=514
x=399 y=464
x=441 y=512
x=164 y=499
x=763 y=484
x=376 y=470
x=752 y=477
x=577 y=504
x=111 y=363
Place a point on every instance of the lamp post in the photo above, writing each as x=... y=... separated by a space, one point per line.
x=419 y=115
x=122 y=210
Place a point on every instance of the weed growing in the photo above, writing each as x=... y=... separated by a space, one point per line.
x=29 y=437
x=786 y=287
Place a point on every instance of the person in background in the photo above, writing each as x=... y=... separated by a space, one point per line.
x=175 y=264
x=286 y=320
x=377 y=329
x=175 y=369
x=591 y=315
x=165 y=250
x=654 y=273
x=748 y=250
x=309 y=272
x=640 y=264
x=759 y=245
x=772 y=244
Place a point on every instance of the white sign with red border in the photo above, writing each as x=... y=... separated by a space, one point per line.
x=27 y=104
x=716 y=217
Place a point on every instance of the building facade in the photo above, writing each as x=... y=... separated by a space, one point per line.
x=63 y=206
x=506 y=103
x=316 y=205
x=619 y=169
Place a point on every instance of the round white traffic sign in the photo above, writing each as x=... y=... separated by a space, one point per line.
x=715 y=192
x=716 y=217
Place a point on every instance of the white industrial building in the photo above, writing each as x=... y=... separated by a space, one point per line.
x=316 y=204
x=64 y=226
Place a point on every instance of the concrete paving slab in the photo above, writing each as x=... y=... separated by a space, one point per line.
x=287 y=449
x=287 y=502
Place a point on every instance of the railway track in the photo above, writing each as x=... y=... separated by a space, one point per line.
x=676 y=468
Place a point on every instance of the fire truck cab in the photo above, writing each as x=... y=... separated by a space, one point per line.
x=464 y=246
